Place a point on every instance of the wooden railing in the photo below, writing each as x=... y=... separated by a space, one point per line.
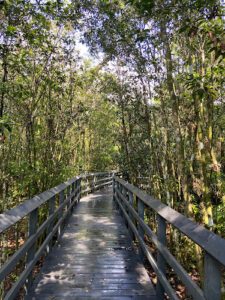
x=213 y=245
x=61 y=200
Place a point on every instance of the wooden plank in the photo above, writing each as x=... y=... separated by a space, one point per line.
x=101 y=265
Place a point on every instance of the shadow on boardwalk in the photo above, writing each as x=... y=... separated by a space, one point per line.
x=94 y=259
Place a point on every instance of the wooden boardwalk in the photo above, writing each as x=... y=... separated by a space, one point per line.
x=94 y=259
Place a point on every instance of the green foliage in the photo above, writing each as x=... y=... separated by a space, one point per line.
x=170 y=64
x=159 y=118
x=51 y=104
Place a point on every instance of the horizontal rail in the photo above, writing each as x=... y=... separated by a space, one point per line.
x=5 y=269
x=123 y=194
x=12 y=216
x=93 y=183
x=194 y=290
x=13 y=291
x=97 y=187
x=150 y=257
x=65 y=195
x=206 y=239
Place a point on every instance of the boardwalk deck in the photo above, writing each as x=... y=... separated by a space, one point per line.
x=95 y=258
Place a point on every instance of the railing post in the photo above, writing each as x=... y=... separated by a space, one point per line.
x=161 y=263
x=97 y=178
x=80 y=188
x=212 y=278
x=61 y=199
x=130 y=213
x=51 y=211
x=87 y=185
x=68 y=204
x=140 y=229
x=93 y=187
x=114 y=185
x=72 y=191
x=75 y=187
x=115 y=194
x=120 y=189
x=32 y=227
x=124 y=205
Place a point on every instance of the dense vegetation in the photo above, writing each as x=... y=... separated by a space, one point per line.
x=153 y=108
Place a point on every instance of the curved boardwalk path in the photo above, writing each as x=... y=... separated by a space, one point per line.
x=95 y=258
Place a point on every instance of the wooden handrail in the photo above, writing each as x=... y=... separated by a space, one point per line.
x=12 y=216
x=68 y=193
x=213 y=244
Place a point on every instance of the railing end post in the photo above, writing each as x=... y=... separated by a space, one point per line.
x=32 y=227
x=161 y=263
x=212 y=278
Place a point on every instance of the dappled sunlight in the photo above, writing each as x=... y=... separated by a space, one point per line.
x=95 y=254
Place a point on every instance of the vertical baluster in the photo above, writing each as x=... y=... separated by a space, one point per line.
x=100 y=178
x=114 y=185
x=104 y=180
x=130 y=213
x=93 y=187
x=140 y=230
x=121 y=189
x=80 y=188
x=124 y=205
x=75 y=187
x=212 y=278
x=68 y=203
x=51 y=211
x=32 y=228
x=61 y=199
x=116 y=195
x=87 y=185
x=119 y=199
x=72 y=191
x=161 y=233
x=117 y=188
x=96 y=182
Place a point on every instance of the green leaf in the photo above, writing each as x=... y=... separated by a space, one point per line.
x=11 y=29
